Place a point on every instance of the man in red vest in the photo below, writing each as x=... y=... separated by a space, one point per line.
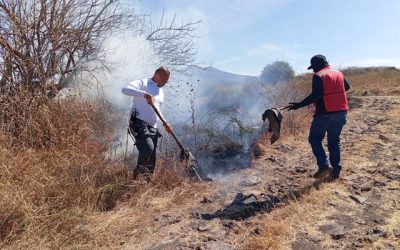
x=329 y=97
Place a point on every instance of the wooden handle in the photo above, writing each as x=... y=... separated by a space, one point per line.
x=283 y=108
x=165 y=123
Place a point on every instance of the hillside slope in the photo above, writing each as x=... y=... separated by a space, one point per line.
x=65 y=196
x=361 y=210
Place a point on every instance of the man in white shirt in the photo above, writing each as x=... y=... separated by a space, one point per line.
x=143 y=119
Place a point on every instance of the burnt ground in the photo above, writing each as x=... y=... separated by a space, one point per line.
x=360 y=211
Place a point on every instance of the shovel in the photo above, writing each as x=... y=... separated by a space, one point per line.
x=185 y=155
x=274 y=117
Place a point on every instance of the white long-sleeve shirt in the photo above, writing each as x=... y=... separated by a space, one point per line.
x=138 y=89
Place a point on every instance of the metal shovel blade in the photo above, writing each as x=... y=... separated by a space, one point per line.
x=193 y=166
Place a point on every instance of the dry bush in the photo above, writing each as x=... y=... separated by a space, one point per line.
x=56 y=171
x=373 y=81
x=53 y=165
x=168 y=175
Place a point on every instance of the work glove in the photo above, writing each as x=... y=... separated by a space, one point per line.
x=294 y=105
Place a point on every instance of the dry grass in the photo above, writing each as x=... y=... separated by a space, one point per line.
x=279 y=230
x=272 y=237
x=373 y=81
x=55 y=172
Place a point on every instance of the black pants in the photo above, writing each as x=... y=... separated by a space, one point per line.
x=146 y=138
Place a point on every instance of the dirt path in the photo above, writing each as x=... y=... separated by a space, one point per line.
x=362 y=210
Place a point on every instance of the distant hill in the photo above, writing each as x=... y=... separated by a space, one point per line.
x=213 y=76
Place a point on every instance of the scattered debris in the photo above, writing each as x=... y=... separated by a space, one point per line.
x=240 y=208
x=374 y=234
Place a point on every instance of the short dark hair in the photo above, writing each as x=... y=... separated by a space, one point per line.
x=163 y=69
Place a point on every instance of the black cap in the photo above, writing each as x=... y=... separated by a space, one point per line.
x=318 y=62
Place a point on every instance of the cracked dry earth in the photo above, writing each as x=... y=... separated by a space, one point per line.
x=360 y=211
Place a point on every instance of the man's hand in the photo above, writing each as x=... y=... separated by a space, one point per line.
x=148 y=98
x=294 y=105
x=168 y=128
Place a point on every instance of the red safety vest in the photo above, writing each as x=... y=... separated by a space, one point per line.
x=334 y=96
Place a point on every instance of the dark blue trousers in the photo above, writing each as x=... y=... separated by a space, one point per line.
x=331 y=125
x=146 y=138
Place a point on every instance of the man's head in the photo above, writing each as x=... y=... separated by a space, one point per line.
x=318 y=62
x=161 y=76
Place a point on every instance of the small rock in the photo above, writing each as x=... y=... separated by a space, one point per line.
x=337 y=235
x=365 y=188
x=389 y=246
x=252 y=181
x=335 y=231
x=350 y=177
x=206 y=200
x=175 y=220
x=379 y=221
x=361 y=222
x=257 y=231
x=315 y=238
x=357 y=198
x=374 y=234
x=371 y=238
x=202 y=228
x=333 y=204
x=397 y=231
x=300 y=170
x=300 y=244
x=211 y=245
x=392 y=177
x=383 y=138
x=273 y=189
x=209 y=238
x=379 y=184
x=228 y=224
x=358 y=243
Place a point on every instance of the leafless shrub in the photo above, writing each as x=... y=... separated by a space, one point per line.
x=174 y=42
x=43 y=43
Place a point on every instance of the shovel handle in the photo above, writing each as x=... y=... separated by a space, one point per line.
x=164 y=122
x=283 y=108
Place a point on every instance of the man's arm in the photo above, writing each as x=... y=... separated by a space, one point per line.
x=316 y=92
x=134 y=89
x=346 y=85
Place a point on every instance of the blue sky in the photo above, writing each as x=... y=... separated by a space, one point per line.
x=242 y=36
